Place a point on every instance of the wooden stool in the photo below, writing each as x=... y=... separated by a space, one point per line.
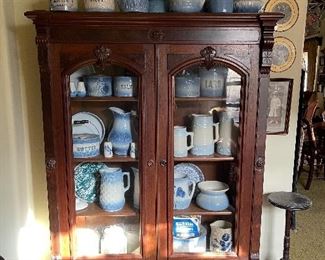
x=290 y=201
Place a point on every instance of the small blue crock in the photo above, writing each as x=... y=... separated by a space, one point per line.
x=187 y=86
x=125 y=86
x=220 y=6
x=157 y=6
x=134 y=5
x=248 y=6
x=98 y=85
x=186 y=6
x=85 y=145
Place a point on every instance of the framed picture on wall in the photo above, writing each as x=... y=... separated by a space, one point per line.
x=279 y=103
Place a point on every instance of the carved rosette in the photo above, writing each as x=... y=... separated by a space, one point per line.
x=156 y=35
x=102 y=54
x=209 y=56
x=50 y=165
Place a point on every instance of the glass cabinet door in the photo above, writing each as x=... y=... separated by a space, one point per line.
x=106 y=160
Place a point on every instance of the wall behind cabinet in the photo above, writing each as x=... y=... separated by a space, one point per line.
x=23 y=196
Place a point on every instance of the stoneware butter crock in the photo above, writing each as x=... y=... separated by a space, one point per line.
x=99 y=5
x=64 y=5
x=134 y=5
x=98 y=85
x=186 y=6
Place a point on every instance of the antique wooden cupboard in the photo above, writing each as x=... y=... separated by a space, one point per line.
x=155 y=49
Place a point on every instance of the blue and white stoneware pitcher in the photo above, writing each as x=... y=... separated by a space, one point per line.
x=120 y=135
x=182 y=192
x=112 y=188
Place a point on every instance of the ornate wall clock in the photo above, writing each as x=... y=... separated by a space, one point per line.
x=290 y=10
x=284 y=54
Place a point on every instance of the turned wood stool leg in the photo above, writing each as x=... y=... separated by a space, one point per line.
x=286 y=242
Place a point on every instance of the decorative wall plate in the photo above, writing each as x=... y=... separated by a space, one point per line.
x=284 y=54
x=290 y=10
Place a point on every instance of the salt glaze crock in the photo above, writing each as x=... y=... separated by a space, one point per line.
x=134 y=5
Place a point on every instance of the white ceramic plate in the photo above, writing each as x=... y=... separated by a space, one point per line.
x=93 y=124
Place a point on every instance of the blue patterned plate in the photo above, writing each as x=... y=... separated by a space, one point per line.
x=87 y=181
x=191 y=170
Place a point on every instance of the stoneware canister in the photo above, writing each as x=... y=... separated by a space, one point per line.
x=248 y=6
x=85 y=145
x=205 y=134
x=112 y=188
x=180 y=141
x=134 y=5
x=220 y=6
x=221 y=236
x=64 y=5
x=183 y=191
x=99 y=5
x=114 y=240
x=186 y=6
x=120 y=135
x=212 y=195
x=213 y=81
x=187 y=86
x=125 y=86
x=157 y=6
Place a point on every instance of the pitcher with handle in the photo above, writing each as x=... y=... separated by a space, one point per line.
x=120 y=135
x=180 y=141
x=205 y=134
x=182 y=193
x=112 y=188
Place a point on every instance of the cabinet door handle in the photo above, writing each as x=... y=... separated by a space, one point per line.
x=163 y=163
x=150 y=163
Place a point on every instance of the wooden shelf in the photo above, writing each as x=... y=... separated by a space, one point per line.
x=103 y=99
x=101 y=158
x=184 y=99
x=193 y=209
x=212 y=158
x=93 y=210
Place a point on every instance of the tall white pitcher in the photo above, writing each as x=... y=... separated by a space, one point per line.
x=205 y=134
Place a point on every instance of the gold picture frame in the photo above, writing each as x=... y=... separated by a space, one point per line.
x=289 y=8
x=283 y=55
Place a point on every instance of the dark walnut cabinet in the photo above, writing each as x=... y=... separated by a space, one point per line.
x=159 y=51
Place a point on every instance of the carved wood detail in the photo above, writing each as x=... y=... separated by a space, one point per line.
x=209 y=56
x=102 y=54
x=156 y=35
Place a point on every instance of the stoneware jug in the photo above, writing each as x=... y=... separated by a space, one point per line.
x=136 y=188
x=112 y=188
x=120 y=134
x=221 y=236
x=205 y=134
x=180 y=141
x=183 y=191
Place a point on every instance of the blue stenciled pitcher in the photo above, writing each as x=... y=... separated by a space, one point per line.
x=182 y=193
x=112 y=188
x=120 y=135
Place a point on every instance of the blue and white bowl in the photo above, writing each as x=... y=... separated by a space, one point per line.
x=134 y=5
x=191 y=245
x=186 y=6
x=85 y=145
x=98 y=85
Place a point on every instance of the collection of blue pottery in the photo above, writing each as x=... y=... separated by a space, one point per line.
x=160 y=6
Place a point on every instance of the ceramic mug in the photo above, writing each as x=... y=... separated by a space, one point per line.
x=205 y=134
x=182 y=193
x=221 y=236
x=180 y=141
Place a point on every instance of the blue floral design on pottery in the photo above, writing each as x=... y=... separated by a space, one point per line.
x=134 y=5
x=112 y=188
x=182 y=193
x=98 y=85
x=120 y=134
x=86 y=180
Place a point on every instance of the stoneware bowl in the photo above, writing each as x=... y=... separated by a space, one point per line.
x=191 y=245
x=134 y=5
x=213 y=195
x=98 y=85
x=99 y=6
x=186 y=6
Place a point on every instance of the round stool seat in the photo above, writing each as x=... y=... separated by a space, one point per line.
x=289 y=200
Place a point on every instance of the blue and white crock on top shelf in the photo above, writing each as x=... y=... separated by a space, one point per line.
x=248 y=6
x=120 y=135
x=112 y=188
x=98 y=85
x=157 y=6
x=134 y=5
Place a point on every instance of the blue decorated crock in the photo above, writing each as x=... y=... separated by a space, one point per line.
x=186 y=6
x=85 y=145
x=248 y=6
x=98 y=85
x=134 y=5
